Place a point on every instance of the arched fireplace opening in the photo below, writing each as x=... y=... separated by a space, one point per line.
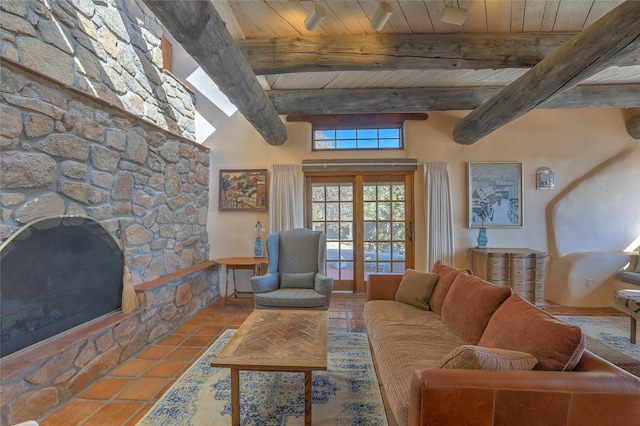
x=56 y=273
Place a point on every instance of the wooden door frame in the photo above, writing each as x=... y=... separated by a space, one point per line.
x=358 y=179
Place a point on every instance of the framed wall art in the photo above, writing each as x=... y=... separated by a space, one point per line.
x=243 y=190
x=494 y=195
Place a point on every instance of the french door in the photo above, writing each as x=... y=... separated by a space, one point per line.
x=368 y=221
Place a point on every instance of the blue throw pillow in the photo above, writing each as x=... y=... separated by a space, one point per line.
x=299 y=280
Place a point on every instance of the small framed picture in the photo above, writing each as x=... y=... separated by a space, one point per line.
x=243 y=190
x=494 y=195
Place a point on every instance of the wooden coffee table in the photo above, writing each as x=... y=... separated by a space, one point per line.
x=276 y=340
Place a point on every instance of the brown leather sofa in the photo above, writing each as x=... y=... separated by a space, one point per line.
x=408 y=342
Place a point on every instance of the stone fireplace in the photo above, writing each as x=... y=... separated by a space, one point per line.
x=55 y=274
x=93 y=127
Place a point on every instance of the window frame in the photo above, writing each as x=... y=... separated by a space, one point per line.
x=377 y=126
x=357 y=122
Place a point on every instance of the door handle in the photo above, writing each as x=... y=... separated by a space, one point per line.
x=410 y=232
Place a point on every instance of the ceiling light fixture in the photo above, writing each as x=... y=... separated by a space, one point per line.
x=381 y=16
x=453 y=15
x=314 y=18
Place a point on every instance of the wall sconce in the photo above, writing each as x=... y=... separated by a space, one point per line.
x=381 y=16
x=314 y=18
x=545 y=179
x=453 y=15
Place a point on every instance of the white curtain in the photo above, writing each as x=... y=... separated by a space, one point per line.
x=285 y=197
x=438 y=217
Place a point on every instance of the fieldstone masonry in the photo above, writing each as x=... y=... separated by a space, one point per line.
x=91 y=125
x=43 y=385
x=109 y=49
x=86 y=159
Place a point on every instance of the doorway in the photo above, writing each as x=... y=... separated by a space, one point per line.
x=368 y=221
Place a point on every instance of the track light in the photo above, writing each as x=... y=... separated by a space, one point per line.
x=315 y=17
x=381 y=16
x=453 y=15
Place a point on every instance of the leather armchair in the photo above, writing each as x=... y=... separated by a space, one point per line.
x=296 y=276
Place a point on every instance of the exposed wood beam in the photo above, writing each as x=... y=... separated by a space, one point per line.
x=403 y=51
x=633 y=127
x=198 y=28
x=367 y=101
x=584 y=55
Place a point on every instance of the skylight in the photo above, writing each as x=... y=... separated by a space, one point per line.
x=201 y=81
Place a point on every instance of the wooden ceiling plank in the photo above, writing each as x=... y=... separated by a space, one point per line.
x=476 y=21
x=550 y=15
x=499 y=16
x=397 y=22
x=340 y=9
x=585 y=55
x=533 y=14
x=415 y=12
x=369 y=101
x=572 y=15
x=200 y=30
x=293 y=13
x=434 y=8
x=599 y=9
x=517 y=16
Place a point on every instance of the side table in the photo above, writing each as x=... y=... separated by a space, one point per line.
x=233 y=263
x=522 y=269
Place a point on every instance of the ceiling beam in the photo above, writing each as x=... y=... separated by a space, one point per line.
x=197 y=26
x=584 y=55
x=403 y=51
x=368 y=101
x=633 y=127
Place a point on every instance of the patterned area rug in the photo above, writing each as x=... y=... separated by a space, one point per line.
x=611 y=331
x=346 y=394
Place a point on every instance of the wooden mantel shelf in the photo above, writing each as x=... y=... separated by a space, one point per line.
x=172 y=277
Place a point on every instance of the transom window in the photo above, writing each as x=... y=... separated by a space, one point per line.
x=336 y=132
x=376 y=138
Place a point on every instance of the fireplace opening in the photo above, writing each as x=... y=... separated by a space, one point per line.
x=56 y=273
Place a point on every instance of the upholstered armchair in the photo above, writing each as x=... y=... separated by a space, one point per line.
x=296 y=277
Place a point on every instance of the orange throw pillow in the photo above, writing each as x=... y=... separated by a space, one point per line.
x=520 y=326
x=469 y=306
x=446 y=275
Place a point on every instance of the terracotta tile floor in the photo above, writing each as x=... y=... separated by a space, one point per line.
x=124 y=395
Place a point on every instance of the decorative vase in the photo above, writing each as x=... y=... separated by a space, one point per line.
x=482 y=238
x=258 y=250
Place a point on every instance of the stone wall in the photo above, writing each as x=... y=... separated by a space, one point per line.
x=91 y=125
x=107 y=48
x=63 y=153
x=35 y=383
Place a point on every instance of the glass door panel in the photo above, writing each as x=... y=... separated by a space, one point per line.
x=367 y=219
x=332 y=208
x=384 y=222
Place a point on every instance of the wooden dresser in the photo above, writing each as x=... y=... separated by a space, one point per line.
x=522 y=269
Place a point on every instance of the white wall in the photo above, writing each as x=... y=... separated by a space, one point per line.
x=573 y=143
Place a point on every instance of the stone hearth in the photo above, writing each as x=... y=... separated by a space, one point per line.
x=37 y=380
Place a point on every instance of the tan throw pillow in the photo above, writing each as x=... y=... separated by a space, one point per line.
x=469 y=357
x=518 y=325
x=415 y=288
